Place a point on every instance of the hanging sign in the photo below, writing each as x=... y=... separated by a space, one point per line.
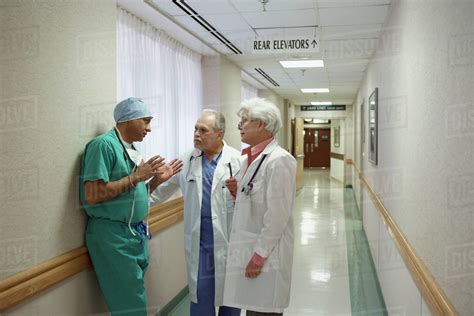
x=303 y=44
x=323 y=108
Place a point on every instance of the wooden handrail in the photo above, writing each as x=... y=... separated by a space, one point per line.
x=435 y=298
x=26 y=284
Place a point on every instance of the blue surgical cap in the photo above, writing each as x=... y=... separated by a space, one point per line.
x=131 y=109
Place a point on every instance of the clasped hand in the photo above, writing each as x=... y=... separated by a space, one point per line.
x=231 y=185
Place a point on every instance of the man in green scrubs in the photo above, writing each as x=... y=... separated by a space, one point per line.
x=115 y=198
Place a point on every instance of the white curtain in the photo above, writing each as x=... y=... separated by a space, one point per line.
x=247 y=91
x=167 y=76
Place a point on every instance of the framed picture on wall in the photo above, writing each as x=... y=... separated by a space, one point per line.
x=373 y=126
x=337 y=136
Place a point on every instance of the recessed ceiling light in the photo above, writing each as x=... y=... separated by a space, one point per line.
x=321 y=103
x=315 y=90
x=302 y=63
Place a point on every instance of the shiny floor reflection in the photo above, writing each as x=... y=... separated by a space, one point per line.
x=321 y=279
x=320 y=284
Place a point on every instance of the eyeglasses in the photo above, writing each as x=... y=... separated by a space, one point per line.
x=245 y=120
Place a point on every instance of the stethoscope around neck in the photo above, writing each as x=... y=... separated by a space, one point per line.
x=130 y=171
x=249 y=187
x=191 y=159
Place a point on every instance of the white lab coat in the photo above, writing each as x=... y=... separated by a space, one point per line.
x=222 y=208
x=263 y=223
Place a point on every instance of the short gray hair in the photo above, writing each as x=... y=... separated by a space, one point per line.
x=219 y=119
x=263 y=110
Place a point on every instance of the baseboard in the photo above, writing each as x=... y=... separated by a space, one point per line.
x=168 y=308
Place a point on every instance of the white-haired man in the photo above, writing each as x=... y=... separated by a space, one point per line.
x=260 y=253
x=208 y=211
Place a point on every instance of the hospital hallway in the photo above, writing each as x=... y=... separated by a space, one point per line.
x=371 y=100
x=333 y=271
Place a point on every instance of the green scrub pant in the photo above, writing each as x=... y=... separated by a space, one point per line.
x=120 y=261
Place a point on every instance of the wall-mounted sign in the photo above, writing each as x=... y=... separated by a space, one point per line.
x=285 y=45
x=323 y=108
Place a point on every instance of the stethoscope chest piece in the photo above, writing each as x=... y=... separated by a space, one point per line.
x=248 y=188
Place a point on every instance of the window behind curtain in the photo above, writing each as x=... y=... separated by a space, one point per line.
x=167 y=76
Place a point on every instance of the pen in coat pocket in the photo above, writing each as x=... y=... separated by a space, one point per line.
x=230 y=169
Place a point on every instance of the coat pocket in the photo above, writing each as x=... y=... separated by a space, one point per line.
x=241 y=250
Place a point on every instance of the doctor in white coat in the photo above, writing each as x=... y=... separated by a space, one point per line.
x=208 y=211
x=260 y=253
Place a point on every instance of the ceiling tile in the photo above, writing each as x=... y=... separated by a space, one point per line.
x=289 y=18
x=223 y=49
x=332 y=67
x=289 y=32
x=350 y=32
x=337 y=64
x=307 y=72
x=248 y=60
x=168 y=7
x=353 y=15
x=349 y=49
x=190 y=24
x=273 y=5
x=349 y=3
x=210 y=6
x=227 y=22
x=242 y=39
x=292 y=56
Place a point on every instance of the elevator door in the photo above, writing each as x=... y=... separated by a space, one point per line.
x=317 y=147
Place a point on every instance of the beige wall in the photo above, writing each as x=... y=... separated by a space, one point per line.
x=222 y=91
x=58 y=87
x=166 y=274
x=58 y=91
x=423 y=68
x=337 y=165
x=280 y=103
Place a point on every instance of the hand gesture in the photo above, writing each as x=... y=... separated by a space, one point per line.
x=231 y=185
x=148 y=169
x=165 y=172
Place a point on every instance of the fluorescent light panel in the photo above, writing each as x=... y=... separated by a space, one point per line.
x=321 y=103
x=302 y=63
x=315 y=90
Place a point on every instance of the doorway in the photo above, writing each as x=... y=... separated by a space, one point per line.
x=317 y=147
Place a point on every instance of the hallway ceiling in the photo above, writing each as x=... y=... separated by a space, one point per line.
x=348 y=31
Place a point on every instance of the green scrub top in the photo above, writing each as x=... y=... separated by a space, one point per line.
x=105 y=158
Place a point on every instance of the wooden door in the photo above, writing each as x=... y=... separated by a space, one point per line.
x=317 y=148
x=321 y=156
x=308 y=140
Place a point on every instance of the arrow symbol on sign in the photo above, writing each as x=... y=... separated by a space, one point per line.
x=314 y=43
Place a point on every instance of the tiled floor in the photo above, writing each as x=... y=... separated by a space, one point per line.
x=320 y=284
x=328 y=232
